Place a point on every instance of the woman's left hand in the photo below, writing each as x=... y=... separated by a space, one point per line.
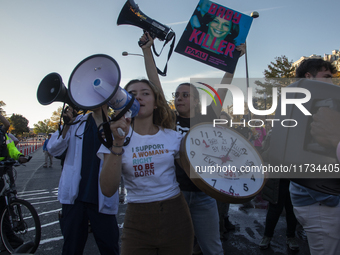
x=242 y=48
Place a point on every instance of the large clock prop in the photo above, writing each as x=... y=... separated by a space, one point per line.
x=222 y=163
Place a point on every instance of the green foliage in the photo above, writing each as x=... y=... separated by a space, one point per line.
x=45 y=127
x=280 y=73
x=19 y=123
x=55 y=119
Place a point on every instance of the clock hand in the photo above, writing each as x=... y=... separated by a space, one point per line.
x=219 y=157
x=206 y=145
x=226 y=157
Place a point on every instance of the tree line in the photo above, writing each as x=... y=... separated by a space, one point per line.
x=279 y=73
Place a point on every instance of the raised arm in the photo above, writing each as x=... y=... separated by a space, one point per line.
x=227 y=79
x=112 y=164
x=150 y=66
x=5 y=123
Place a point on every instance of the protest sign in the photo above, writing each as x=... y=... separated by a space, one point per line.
x=212 y=35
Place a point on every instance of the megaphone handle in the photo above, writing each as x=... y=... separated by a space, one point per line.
x=147 y=40
x=126 y=115
x=66 y=119
x=121 y=132
x=142 y=43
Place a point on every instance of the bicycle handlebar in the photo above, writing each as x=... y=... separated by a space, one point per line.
x=12 y=162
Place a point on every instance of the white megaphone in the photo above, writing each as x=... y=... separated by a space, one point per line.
x=95 y=82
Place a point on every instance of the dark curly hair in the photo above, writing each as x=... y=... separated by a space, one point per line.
x=313 y=66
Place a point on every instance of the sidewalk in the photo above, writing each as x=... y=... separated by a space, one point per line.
x=250 y=223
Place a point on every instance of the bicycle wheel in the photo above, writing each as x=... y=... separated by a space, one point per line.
x=26 y=226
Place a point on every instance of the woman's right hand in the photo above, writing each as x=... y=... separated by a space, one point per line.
x=124 y=124
x=242 y=48
x=69 y=115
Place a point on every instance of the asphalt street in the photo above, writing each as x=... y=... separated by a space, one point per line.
x=39 y=186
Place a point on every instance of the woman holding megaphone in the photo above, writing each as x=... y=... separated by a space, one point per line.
x=157 y=217
x=203 y=208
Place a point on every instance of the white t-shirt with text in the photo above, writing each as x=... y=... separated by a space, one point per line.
x=148 y=166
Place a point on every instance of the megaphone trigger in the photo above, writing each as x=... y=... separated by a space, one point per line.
x=120 y=132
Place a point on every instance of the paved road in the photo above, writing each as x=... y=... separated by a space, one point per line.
x=39 y=186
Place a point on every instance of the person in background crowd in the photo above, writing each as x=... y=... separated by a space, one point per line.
x=276 y=192
x=259 y=135
x=244 y=130
x=48 y=156
x=268 y=127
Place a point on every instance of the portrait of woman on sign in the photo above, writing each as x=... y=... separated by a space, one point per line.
x=212 y=35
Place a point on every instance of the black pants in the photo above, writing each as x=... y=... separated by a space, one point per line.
x=275 y=210
x=74 y=227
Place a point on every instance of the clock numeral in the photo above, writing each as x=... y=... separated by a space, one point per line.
x=244 y=151
x=192 y=153
x=245 y=187
x=218 y=134
x=231 y=190
x=206 y=134
x=196 y=141
x=214 y=180
x=252 y=178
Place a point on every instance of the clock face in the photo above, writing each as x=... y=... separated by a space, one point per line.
x=222 y=163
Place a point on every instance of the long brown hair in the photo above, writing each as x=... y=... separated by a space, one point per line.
x=163 y=115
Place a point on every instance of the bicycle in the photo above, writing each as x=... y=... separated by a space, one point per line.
x=20 y=227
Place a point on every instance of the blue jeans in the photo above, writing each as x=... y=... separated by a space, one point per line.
x=204 y=215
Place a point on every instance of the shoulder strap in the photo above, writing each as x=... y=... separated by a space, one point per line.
x=163 y=73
